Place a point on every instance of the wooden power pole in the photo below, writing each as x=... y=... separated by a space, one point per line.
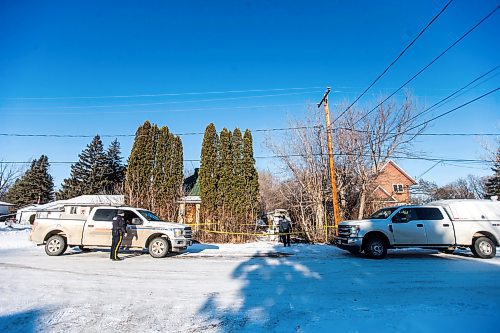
x=336 y=215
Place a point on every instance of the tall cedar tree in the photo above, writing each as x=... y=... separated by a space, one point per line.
x=140 y=165
x=208 y=173
x=238 y=177
x=493 y=183
x=156 y=165
x=35 y=186
x=90 y=174
x=251 y=178
x=225 y=193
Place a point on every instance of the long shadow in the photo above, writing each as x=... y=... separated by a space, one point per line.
x=22 y=322
x=269 y=299
x=338 y=292
x=197 y=248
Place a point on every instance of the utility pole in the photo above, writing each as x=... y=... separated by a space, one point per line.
x=336 y=215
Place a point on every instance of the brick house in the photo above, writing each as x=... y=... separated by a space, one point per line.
x=392 y=186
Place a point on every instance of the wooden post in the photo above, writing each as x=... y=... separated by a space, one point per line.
x=336 y=215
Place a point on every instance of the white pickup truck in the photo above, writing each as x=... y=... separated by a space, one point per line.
x=91 y=227
x=445 y=225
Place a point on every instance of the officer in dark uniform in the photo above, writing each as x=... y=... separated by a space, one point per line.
x=285 y=228
x=119 y=230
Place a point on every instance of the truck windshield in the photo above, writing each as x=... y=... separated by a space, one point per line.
x=383 y=213
x=148 y=215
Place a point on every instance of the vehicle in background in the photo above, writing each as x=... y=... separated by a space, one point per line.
x=91 y=226
x=445 y=225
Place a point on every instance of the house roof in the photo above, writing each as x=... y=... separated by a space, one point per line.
x=410 y=178
x=389 y=196
x=5 y=204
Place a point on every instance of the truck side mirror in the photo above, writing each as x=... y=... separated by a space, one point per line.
x=136 y=221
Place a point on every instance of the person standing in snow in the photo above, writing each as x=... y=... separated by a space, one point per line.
x=119 y=229
x=285 y=228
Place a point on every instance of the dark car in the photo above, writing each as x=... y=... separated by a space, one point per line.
x=8 y=217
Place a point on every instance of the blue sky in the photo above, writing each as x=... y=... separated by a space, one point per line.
x=121 y=48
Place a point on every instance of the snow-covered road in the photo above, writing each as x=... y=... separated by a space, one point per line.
x=258 y=287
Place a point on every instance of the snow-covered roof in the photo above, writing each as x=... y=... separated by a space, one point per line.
x=99 y=199
x=5 y=204
x=114 y=200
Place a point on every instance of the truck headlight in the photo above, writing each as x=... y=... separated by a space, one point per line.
x=354 y=230
x=177 y=232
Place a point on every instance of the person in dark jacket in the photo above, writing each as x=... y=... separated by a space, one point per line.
x=119 y=229
x=285 y=228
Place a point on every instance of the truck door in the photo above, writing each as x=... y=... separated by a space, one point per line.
x=97 y=231
x=439 y=230
x=407 y=229
x=132 y=239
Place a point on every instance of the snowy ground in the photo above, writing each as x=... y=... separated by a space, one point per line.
x=258 y=287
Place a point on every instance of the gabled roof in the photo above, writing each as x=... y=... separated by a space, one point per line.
x=410 y=178
x=392 y=199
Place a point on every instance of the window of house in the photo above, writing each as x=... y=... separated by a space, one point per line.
x=72 y=210
x=398 y=188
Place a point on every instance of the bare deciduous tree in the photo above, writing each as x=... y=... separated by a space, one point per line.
x=365 y=142
x=362 y=143
x=8 y=174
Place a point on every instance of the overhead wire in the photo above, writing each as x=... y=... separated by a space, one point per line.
x=430 y=63
x=396 y=59
x=156 y=103
x=160 y=94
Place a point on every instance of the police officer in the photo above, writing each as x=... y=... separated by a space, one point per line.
x=285 y=228
x=119 y=229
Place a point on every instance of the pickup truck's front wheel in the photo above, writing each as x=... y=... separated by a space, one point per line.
x=158 y=248
x=484 y=248
x=56 y=245
x=375 y=248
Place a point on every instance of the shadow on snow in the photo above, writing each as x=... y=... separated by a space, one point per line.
x=344 y=293
x=22 y=322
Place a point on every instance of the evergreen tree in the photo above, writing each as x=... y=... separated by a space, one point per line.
x=88 y=175
x=225 y=173
x=35 y=186
x=154 y=174
x=208 y=173
x=115 y=171
x=251 y=177
x=493 y=183
x=140 y=165
x=238 y=180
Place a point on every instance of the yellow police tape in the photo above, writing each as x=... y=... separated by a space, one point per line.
x=249 y=233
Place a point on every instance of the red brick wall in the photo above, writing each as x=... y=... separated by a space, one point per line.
x=389 y=176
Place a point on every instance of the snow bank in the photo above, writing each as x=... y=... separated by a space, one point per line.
x=14 y=237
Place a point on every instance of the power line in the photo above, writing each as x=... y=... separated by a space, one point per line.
x=395 y=60
x=416 y=134
x=171 y=110
x=453 y=110
x=159 y=103
x=455 y=160
x=252 y=130
x=161 y=94
x=453 y=94
x=430 y=63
